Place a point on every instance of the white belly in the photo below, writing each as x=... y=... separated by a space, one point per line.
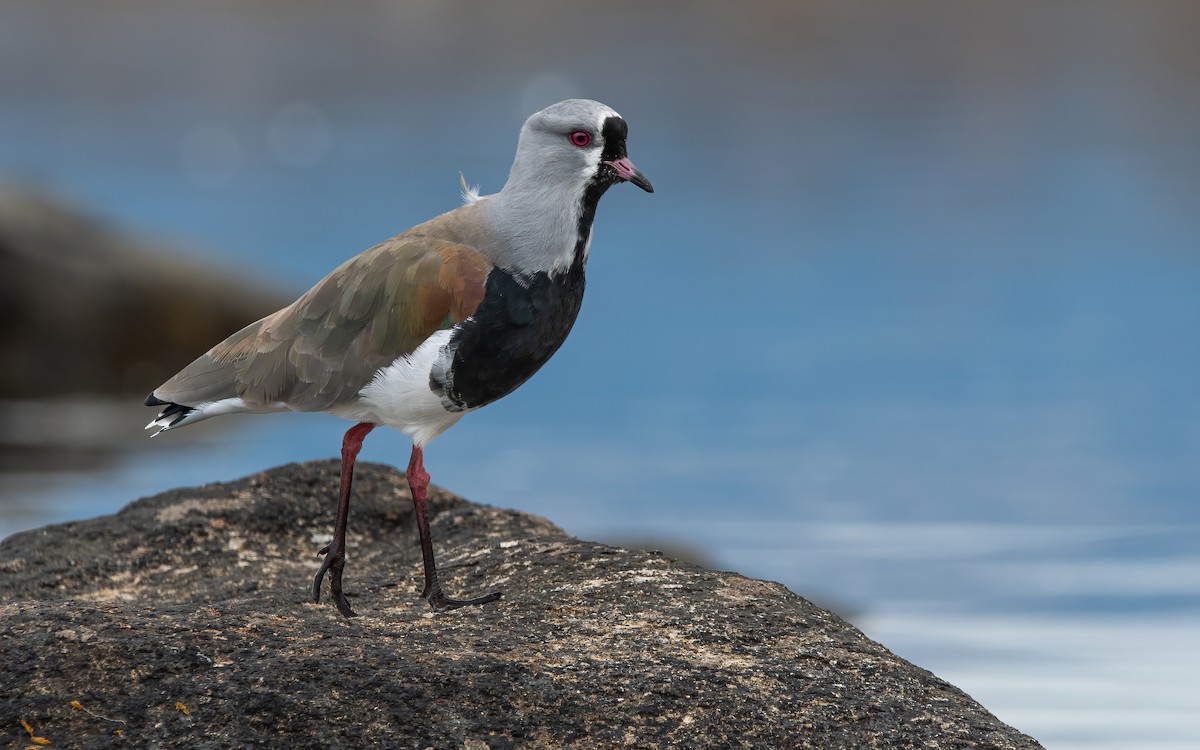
x=399 y=396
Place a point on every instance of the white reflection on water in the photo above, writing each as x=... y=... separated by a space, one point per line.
x=1073 y=682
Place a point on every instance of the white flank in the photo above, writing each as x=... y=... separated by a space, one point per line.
x=399 y=396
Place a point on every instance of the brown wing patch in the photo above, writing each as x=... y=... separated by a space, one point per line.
x=464 y=276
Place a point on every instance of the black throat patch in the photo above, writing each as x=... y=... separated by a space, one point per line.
x=614 y=131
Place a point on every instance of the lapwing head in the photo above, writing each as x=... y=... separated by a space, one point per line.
x=577 y=143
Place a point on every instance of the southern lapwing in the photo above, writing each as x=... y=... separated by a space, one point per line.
x=431 y=324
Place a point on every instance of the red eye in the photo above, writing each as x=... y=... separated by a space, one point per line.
x=580 y=138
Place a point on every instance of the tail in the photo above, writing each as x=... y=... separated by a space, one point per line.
x=205 y=388
x=174 y=415
x=179 y=415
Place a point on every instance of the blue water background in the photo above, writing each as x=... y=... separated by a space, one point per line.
x=909 y=324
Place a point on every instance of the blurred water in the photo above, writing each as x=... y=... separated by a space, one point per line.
x=909 y=324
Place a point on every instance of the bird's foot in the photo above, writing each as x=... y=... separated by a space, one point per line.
x=334 y=562
x=442 y=603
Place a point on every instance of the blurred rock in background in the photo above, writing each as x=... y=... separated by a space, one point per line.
x=87 y=308
x=93 y=316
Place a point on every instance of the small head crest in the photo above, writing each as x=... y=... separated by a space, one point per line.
x=470 y=193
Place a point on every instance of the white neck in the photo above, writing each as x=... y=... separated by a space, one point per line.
x=535 y=225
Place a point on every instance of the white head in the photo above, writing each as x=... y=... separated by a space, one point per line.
x=568 y=154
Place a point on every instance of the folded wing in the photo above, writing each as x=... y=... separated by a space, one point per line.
x=322 y=349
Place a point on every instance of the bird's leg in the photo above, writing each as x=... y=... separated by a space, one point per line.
x=418 y=483
x=335 y=551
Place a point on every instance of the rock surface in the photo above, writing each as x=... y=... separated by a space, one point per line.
x=184 y=621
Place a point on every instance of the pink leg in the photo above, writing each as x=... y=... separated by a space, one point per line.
x=418 y=483
x=335 y=551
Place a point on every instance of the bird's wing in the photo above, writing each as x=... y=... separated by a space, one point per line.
x=323 y=348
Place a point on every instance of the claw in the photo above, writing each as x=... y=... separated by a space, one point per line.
x=442 y=603
x=334 y=564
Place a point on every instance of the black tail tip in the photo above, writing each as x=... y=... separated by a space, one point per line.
x=152 y=400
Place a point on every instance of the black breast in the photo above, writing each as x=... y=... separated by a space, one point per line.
x=518 y=326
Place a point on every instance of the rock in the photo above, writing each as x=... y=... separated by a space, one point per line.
x=89 y=308
x=184 y=621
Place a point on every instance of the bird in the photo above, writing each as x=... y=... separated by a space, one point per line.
x=429 y=325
